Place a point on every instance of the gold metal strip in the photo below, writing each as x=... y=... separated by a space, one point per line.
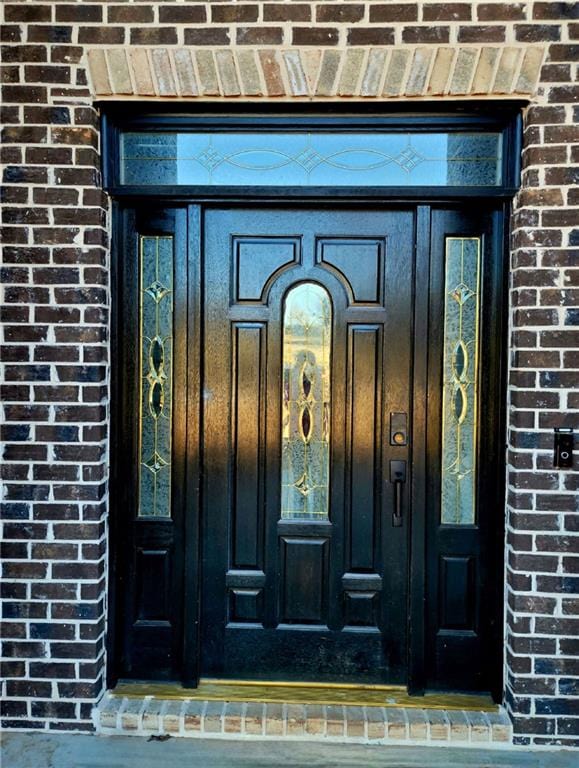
x=308 y=693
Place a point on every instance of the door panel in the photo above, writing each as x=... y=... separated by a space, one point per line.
x=363 y=434
x=303 y=597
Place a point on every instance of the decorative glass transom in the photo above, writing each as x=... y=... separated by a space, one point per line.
x=156 y=335
x=307 y=159
x=305 y=461
x=460 y=377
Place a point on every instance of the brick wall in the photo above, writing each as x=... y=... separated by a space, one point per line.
x=55 y=353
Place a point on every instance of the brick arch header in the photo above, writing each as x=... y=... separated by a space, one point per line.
x=379 y=74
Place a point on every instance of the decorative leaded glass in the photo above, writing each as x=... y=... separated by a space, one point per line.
x=460 y=377
x=307 y=159
x=305 y=462
x=156 y=334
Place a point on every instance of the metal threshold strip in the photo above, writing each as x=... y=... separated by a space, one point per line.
x=306 y=693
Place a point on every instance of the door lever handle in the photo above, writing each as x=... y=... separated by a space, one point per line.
x=397 y=477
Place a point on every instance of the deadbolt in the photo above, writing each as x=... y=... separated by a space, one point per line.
x=398 y=429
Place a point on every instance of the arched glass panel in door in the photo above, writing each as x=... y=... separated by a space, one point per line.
x=305 y=463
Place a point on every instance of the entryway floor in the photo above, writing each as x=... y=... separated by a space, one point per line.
x=44 y=750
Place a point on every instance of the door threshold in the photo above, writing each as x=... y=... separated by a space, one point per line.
x=329 y=694
x=163 y=711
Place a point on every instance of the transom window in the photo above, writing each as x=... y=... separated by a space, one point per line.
x=311 y=159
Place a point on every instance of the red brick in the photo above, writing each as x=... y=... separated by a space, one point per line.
x=537 y=33
x=102 y=35
x=371 y=36
x=501 y=11
x=482 y=34
x=234 y=13
x=446 y=11
x=207 y=36
x=285 y=12
x=80 y=13
x=428 y=34
x=555 y=10
x=394 y=12
x=315 y=36
x=339 y=13
x=134 y=14
x=23 y=53
x=153 y=36
x=259 y=35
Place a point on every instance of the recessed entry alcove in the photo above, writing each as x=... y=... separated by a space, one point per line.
x=308 y=372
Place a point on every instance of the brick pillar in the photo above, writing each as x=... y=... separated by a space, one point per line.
x=543 y=502
x=55 y=395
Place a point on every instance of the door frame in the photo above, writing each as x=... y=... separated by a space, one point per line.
x=423 y=200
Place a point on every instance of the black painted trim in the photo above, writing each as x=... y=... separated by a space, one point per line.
x=425 y=118
x=417 y=575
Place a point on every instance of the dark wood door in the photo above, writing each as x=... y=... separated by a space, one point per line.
x=307 y=354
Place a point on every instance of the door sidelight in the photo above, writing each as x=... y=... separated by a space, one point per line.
x=397 y=477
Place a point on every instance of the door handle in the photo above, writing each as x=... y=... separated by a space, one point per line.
x=397 y=478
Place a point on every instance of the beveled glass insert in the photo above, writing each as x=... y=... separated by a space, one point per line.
x=305 y=460
x=156 y=339
x=308 y=159
x=460 y=380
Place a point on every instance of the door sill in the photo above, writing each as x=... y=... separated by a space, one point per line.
x=306 y=693
x=159 y=712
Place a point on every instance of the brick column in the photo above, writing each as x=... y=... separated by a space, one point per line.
x=542 y=542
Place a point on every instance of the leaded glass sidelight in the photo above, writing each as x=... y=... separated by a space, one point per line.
x=460 y=380
x=156 y=342
x=305 y=462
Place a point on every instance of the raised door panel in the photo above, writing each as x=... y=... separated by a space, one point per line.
x=363 y=440
x=358 y=262
x=248 y=350
x=257 y=261
x=304 y=563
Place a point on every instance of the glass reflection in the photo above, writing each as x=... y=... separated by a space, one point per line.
x=307 y=338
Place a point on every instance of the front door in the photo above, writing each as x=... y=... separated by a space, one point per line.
x=306 y=365
x=308 y=447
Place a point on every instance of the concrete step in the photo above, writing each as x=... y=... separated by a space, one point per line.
x=149 y=715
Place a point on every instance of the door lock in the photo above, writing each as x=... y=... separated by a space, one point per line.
x=398 y=429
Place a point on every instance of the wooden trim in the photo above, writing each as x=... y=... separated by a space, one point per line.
x=416 y=592
x=192 y=569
